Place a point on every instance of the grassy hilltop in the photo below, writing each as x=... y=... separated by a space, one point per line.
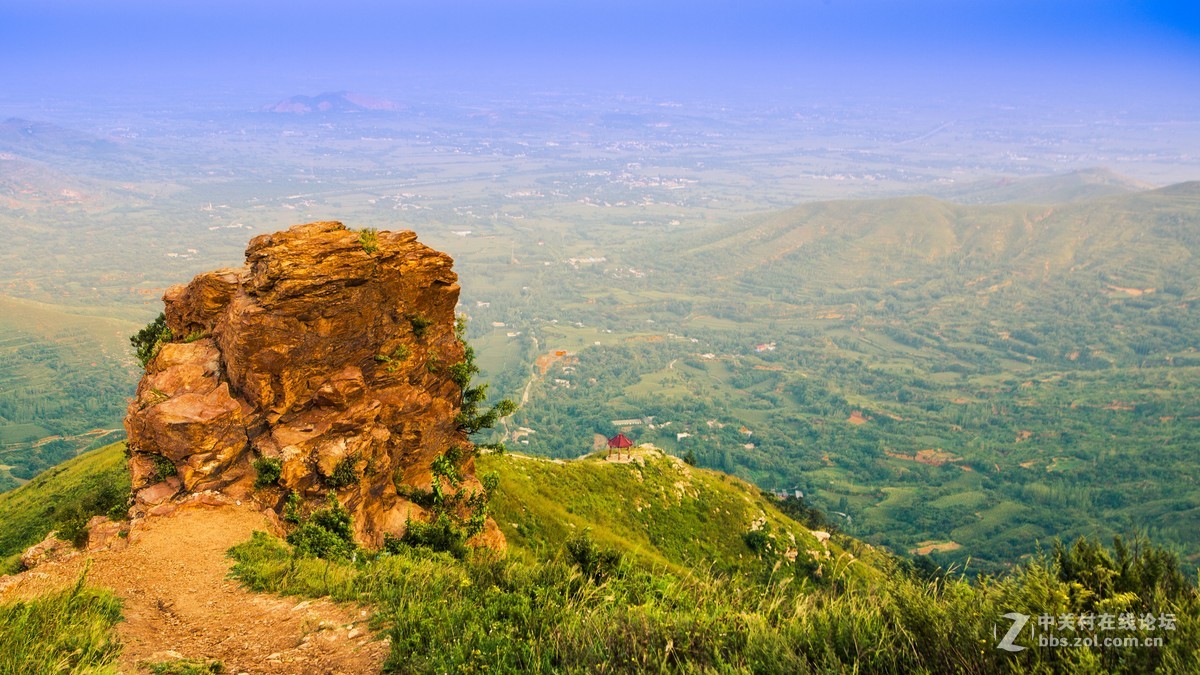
x=653 y=508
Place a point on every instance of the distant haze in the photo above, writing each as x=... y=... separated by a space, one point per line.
x=1102 y=51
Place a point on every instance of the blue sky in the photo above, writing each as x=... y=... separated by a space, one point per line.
x=60 y=46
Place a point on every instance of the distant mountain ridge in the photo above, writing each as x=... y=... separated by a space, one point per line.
x=1133 y=236
x=1063 y=188
x=18 y=134
x=69 y=150
x=332 y=102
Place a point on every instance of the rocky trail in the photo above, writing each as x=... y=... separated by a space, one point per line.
x=172 y=578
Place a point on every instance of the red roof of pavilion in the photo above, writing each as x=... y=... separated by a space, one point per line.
x=620 y=441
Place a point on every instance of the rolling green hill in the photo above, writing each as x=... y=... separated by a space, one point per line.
x=64 y=376
x=1060 y=189
x=650 y=508
x=1143 y=239
x=62 y=498
x=968 y=380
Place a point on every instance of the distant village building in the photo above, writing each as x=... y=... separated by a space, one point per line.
x=591 y=260
x=781 y=493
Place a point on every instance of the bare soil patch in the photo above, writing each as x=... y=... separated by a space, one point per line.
x=173 y=580
x=927 y=547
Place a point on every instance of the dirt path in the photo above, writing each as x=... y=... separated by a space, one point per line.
x=528 y=386
x=172 y=579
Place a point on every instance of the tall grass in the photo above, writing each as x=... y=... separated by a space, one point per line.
x=70 y=631
x=508 y=615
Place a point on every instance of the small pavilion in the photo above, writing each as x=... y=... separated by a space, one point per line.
x=619 y=442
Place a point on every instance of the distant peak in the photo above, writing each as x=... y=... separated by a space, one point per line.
x=1062 y=188
x=1107 y=176
x=1186 y=188
x=332 y=102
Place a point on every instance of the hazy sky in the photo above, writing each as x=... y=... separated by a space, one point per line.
x=1103 y=47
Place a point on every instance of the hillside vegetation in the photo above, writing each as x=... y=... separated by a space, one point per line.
x=971 y=381
x=591 y=584
x=69 y=631
x=63 y=499
x=650 y=508
x=701 y=579
x=64 y=376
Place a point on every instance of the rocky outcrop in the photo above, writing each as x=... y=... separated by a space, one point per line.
x=327 y=357
x=103 y=533
x=47 y=550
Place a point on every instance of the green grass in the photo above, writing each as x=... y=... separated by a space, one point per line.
x=62 y=498
x=444 y=615
x=972 y=500
x=69 y=631
x=63 y=371
x=16 y=433
x=650 y=512
x=185 y=667
x=552 y=612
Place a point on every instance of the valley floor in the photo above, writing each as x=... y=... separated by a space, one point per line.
x=177 y=597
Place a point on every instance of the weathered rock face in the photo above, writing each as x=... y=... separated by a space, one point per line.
x=326 y=353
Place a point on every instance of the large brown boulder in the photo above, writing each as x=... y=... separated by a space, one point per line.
x=329 y=352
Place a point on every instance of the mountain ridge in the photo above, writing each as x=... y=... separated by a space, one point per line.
x=332 y=102
x=1073 y=186
x=925 y=226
